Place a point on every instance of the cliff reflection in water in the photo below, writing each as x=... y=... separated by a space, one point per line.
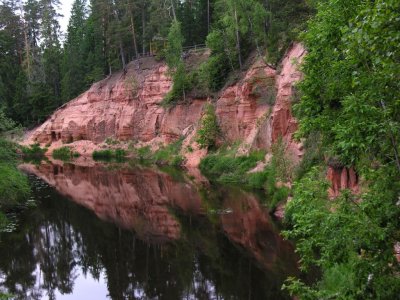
x=173 y=239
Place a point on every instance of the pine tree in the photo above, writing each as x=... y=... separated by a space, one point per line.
x=51 y=49
x=73 y=66
x=11 y=49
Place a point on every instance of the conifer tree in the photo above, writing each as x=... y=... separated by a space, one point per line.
x=74 y=67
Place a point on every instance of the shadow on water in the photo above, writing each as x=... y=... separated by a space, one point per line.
x=145 y=234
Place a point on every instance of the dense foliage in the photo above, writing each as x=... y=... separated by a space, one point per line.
x=40 y=69
x=350 y=102
x=223 y=166
x=14 y=188
x=64 y=153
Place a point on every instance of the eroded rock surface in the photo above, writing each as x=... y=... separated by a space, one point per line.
x=124 y=106
x=342 y=178
x=256 y=111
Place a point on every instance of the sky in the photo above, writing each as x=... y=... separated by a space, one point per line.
x=65 y=10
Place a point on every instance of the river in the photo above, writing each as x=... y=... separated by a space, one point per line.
x=134 y=232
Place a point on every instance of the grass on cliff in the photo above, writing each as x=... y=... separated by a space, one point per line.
x=168 y=155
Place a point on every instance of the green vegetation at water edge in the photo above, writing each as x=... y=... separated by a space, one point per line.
x=64 y=153
x=33 y=152
x=14 y=187
x=165 y=155
x=109 y=154
x=223 y=166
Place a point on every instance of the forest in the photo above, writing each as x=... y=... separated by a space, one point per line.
x=41 y=69
x=348 y=108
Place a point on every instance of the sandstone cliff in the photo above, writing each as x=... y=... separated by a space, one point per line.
x=126 y=106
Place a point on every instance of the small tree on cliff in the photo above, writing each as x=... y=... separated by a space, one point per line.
x=173 y=55
x=209 y=129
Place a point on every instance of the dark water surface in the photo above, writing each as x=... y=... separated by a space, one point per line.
x=141 y=233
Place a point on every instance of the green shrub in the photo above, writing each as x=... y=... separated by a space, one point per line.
x=182 y=85
x=7 y=151
x=144 y=153
x=64 y=153
x=351 y=241
x=14 y=187
x=33 y=151
x=169 y=155
x=257 y=180
x=208 y=130
x=211 y=75
x=279 y=195
x=224 y=167
x=119 y=154
x=109 y=154
x=283 y=165
x=102 y=154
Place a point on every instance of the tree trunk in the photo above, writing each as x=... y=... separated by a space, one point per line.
x=238 y=39
x=392 y=140
x=208 y=16
x=133 y=31
x=28 y=54
x=173 y=10
x=143 y=28
x=254 y=38
x=121 y=52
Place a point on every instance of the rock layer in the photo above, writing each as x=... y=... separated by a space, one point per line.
x=255 y=111
x=124 y=106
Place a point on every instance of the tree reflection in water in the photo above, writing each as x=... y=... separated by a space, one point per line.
x=174 y=239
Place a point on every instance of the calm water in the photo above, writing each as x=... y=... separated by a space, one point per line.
x=141 y=233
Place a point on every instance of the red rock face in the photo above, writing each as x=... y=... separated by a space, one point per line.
x=133 y=199
x=256 y=111
x=396 y=249
x=240 y=110
x=340 y=179
x=249 y=113
x=283 y=124
x=125 y=106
